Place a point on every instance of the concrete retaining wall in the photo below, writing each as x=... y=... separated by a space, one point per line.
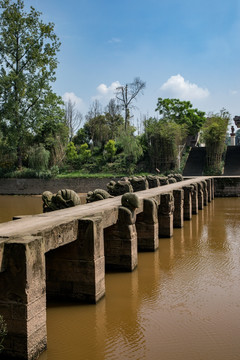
x=38 y=186
x=227 y=186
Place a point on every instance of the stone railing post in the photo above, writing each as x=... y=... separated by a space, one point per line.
x=165 y=215
x=200 y=196
x=147 y=226
x=178 y=218
x=188 y=202
x=120 y=240
x=23 y=298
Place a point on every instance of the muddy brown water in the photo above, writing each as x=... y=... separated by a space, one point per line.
x=181 y=303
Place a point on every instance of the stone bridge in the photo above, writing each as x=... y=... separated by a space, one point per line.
x=63 y=254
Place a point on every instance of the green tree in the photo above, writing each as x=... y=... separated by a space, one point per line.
x=182 y=113
x=38 y=158
x=163 y=137
x=98 y=130
x=28 y=49
x=214 y=135
x=130 y=148
x=110 y=150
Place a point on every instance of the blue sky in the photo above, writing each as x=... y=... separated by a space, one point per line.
x=187 y=49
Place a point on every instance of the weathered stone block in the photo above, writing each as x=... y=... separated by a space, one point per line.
x=147 y=226
x=178 y=219
x=165 y=215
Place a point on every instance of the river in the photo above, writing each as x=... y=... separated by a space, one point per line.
x=181 y=303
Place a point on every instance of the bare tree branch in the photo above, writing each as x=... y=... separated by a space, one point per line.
x=127 y=93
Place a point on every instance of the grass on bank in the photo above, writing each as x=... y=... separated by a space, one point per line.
x=80 y=174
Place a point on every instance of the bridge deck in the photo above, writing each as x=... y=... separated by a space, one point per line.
x=32 y=225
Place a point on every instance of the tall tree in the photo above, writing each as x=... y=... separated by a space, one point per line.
x=73 y=118
x=182 y=113
x=126 y=94
x=28 y=49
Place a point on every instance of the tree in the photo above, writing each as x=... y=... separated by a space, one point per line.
x=73 y=118
x=182 y=113
x=163 y=137
x=114 y=118
x=28 y=49
x=126 y=94
x=95 y=109
x=214 y=135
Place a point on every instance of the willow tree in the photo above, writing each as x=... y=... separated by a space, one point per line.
x=28 y=49
x=214 y=135
x=163 y=137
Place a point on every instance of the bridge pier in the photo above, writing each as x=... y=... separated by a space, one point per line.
x=76 y=271
x=165 y=215
x=188 y=202
x=120 y=243
x=200 y=196
x=205 y=193
x=209 y=189
x=147 y=226
x=178 y=218
x=194 y=198
x=23 y=298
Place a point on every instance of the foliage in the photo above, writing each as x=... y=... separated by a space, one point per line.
x=27 y=67
x=81 y=137
x=110 y=150
x=84 y=153
x=163 y=137
x=131 y=150
x=38 y=158
x=3 y=332
x=71 y=151
x=214 y=135
x=182 y=113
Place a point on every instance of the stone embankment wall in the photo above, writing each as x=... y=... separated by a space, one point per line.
x=38 y=186
x=227 y=186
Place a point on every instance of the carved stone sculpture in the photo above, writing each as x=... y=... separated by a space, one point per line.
x=130 y=202
x=119 y=188
x=172 y=180
x=163 y=180
x=139 y=183
x=64 y=198
x=153 y=181
x=97 y=194
x=178 y=177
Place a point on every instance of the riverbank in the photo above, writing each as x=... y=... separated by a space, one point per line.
x=38 y=186
x=224 y=186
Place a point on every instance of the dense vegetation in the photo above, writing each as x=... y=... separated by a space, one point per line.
x=40 y=136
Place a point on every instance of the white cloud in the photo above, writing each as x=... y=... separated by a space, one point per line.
x=115 y=41
x=106 y=92
x=233 y=92
x=74 y=99
x=178 y=87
